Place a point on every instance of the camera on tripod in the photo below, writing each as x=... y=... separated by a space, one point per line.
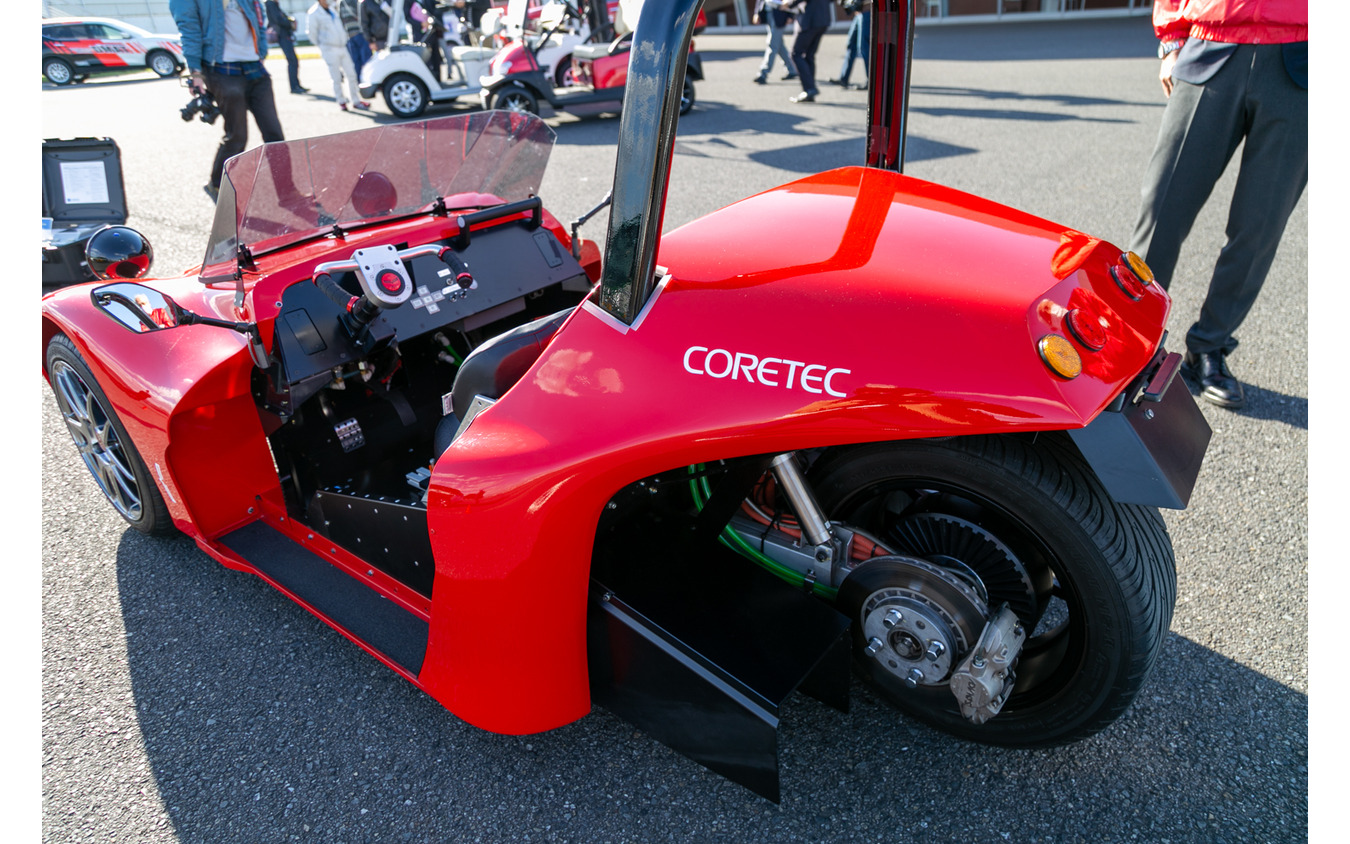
x=203 y=107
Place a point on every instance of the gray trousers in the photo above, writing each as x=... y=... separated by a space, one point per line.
x=1252 y=97
x=775 y=47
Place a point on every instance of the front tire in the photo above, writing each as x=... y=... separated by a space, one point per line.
x=516 y=98
x=103 y=443
x=1022 y=522
x=687 y=97
x=406 y=95
x=162 y=64
x=58 y=71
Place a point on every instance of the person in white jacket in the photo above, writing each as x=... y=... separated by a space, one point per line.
x=328 y=34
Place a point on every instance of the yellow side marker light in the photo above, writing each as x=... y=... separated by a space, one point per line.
x=1140 y=268
x=1060 y=355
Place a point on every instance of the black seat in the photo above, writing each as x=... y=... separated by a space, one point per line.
x=494 y=367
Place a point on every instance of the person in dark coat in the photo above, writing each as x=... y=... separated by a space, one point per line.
x=375 y=22
x=1235 y=75
x=813 y=18
x=284 y=26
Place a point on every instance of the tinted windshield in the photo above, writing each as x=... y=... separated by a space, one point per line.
x=280 y=193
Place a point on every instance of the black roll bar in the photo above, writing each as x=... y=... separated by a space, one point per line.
x=888 y=78
x=651 y=110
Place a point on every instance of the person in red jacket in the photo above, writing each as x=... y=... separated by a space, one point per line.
x=1234 y=72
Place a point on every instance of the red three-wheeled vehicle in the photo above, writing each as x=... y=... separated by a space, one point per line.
x=681 y=479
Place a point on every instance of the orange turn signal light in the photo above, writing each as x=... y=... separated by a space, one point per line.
x=1141 y=269
x=1060 y=355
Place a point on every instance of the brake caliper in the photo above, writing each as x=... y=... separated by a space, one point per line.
x=984 y=679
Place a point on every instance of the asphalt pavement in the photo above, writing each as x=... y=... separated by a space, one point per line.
x=182 y=701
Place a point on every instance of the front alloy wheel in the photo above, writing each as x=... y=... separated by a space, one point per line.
x=102 y=442
x=406 y=95
x=516 y=99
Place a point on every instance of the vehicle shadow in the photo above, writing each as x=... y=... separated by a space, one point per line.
x=260 y=723
x=1057 y=100
x=101 y=80
x=723 y=55
x=1038 y=40
x=814 y=157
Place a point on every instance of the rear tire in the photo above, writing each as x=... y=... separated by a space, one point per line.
x=406 y=95
x=103 y=443
x=58 y=71
x=1093 y=581
x=563 y=77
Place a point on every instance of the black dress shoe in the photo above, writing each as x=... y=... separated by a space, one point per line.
x=789 y=77
x=760 y=80
x=842 y=83
x=1217 y=384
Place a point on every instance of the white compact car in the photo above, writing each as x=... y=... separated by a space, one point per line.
x=74 y=48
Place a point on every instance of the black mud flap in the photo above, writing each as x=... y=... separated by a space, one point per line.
x=1147 y=446
x=705 y=671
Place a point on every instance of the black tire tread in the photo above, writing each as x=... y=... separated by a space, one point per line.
x=1132 y=539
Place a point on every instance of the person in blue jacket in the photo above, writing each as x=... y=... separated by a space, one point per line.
x=224 y=42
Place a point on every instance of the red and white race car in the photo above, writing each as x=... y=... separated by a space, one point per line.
x=74 y=48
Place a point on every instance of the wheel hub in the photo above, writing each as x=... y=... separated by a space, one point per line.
x=94 y=437
x=916 y=627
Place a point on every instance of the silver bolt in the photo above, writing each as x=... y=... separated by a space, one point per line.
x=873 y=645
x=912 y=678
x=935 y=650
x=893 y=617
x=978 y=662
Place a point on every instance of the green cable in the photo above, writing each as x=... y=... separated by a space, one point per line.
x=737 y=543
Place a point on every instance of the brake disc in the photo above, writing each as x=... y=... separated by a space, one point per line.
x=920 y=621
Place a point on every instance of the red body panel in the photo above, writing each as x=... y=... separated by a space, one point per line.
x=605 y=72
x=932 y=301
